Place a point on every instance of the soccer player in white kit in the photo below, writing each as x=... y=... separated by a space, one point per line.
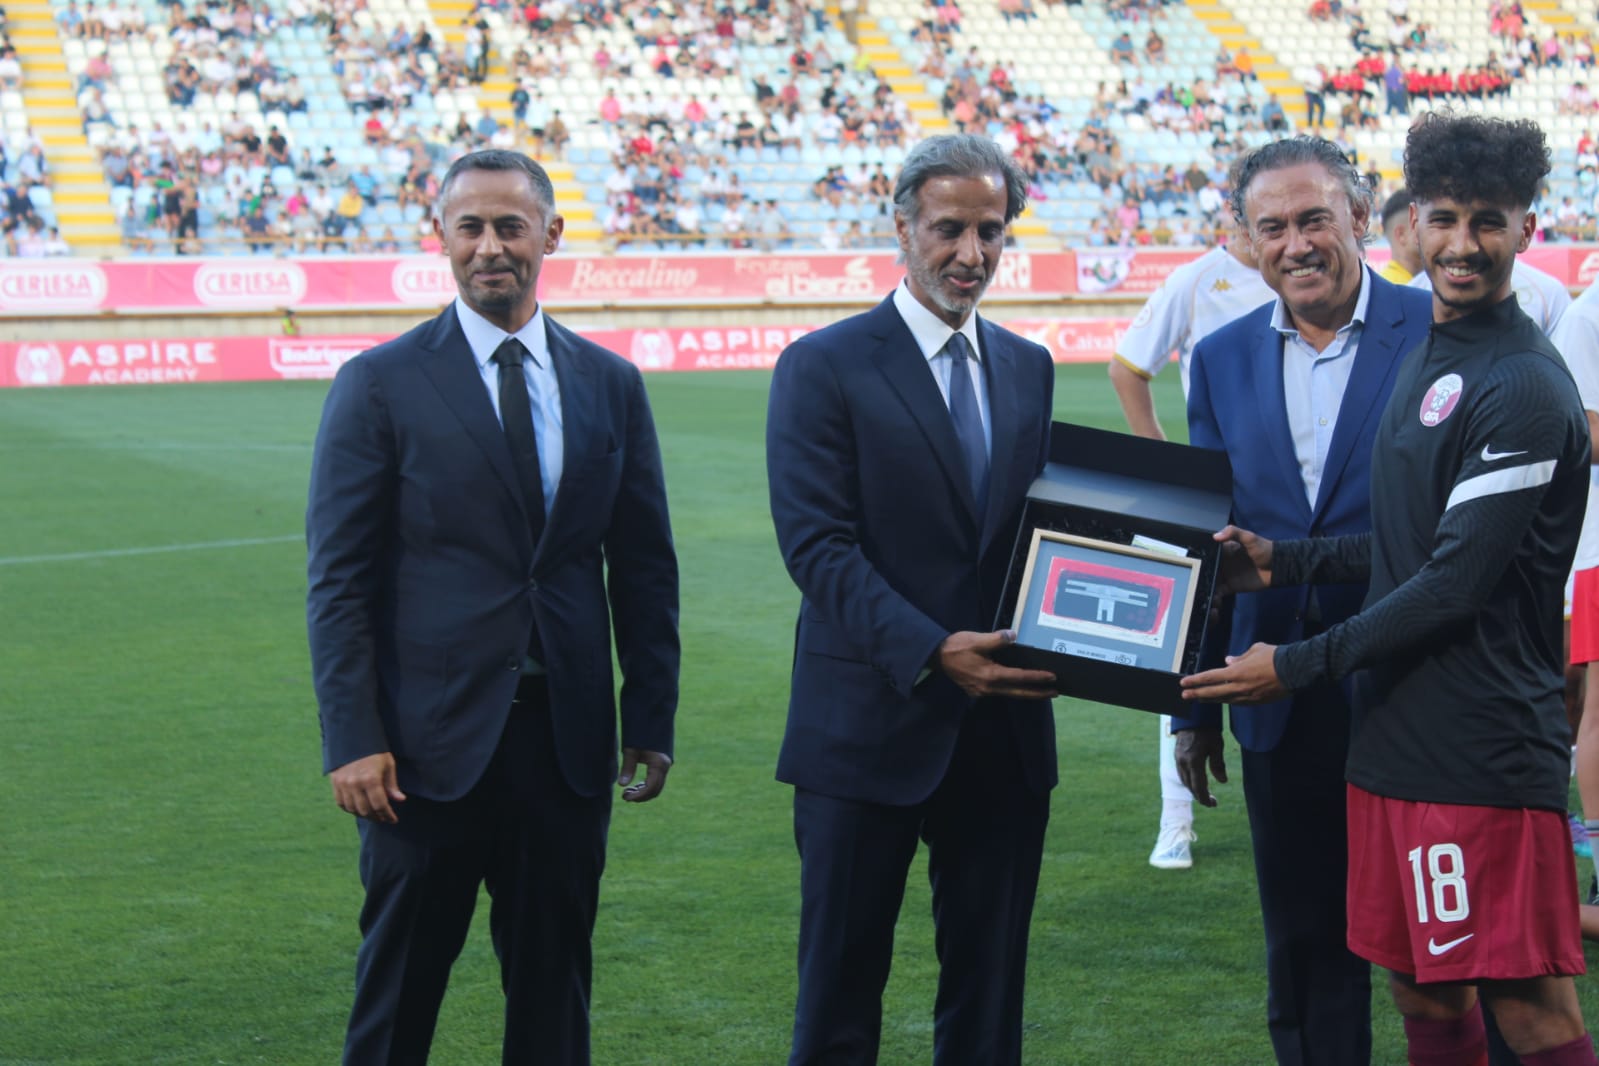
x=1197 y=298
x=1577 y=338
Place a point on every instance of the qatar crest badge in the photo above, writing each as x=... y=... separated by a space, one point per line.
x=1441 y=400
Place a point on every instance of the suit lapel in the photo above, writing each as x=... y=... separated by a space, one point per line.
x=901 y=361
x=999 y=364
x=1268 y=374
x=1376 y=360
x=575 y=375
x=454 y=373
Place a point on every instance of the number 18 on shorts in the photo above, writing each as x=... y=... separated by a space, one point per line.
x=1447 y=892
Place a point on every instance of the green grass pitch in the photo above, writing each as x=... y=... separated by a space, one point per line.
x=177 y=887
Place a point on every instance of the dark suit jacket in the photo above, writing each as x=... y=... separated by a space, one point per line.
x=425 y=582
x=878 y=528
x=1235 y=403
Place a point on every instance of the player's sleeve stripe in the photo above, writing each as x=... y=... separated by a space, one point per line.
x=1510 y=479
x=1140 y=371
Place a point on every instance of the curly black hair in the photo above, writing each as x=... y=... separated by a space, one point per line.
x=1474 y=159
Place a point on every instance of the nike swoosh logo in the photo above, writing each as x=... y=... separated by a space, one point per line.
x=1489 y=456
x=1435 y=948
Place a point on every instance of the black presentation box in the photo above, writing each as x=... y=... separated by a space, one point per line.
x=1114 y=566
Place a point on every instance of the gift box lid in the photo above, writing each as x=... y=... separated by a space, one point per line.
x=1153 y=480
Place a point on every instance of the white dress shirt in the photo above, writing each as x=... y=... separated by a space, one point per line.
x=543 y=388
x=931 y=334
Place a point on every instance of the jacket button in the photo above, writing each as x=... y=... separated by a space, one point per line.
x=513 y=664
x=533 y=586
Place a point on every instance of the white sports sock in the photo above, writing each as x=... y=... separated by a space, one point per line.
x=1171 y=786
x=1176 y=812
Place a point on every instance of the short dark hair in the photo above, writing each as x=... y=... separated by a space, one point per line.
x=499 y=159
x=1399 y=201
x=1471 y=158
x=958 y=155
x=1292 y=152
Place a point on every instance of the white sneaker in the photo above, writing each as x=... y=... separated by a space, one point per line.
x=1172 y=851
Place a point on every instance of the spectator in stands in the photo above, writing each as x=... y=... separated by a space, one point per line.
x=307 y=227
x=1155 y=47
x=256 y=228
x=91 y=102
x=1121 y=49
x=32 y=169
x=10 y=69
x=1272 y=115
x=556 y=135
x=1244 y=63
x=186 y=232
x=689 y=219
x=31 y=240
x=114 y=162
x=70 y=20
x=1568 y=221
x=366 y=184
x=1577 y=100
x=97 y=72
x=768 y=223
x=734 y=225
x=1017 y=10
x=1396 y=93
x=351 y=205
x=135 y=227
x=477 y=46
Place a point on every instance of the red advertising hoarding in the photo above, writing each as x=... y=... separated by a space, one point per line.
x=165 y=286
x=158 y=286
x=187 y=359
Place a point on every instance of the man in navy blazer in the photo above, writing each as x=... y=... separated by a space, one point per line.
x=1292 y=392
x=487 y=508
x=900 y=445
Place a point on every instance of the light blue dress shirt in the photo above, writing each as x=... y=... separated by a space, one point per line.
x=1314 y=383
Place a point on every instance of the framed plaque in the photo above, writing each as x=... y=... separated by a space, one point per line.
x=1116 y=603
x=1113 y=568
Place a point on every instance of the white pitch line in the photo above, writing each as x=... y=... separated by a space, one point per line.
x=117 y=553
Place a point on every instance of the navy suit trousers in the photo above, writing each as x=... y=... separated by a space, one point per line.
x=539 y=848
x=985 y=836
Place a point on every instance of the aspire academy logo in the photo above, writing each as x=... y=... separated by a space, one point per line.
x=39 y=364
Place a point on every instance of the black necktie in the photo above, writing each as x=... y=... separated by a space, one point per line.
x=968 y=420
x=516 y=416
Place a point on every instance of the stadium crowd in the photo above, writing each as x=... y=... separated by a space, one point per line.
x=693 y=108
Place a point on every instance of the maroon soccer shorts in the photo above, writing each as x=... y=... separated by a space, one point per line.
x=1448 y=892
